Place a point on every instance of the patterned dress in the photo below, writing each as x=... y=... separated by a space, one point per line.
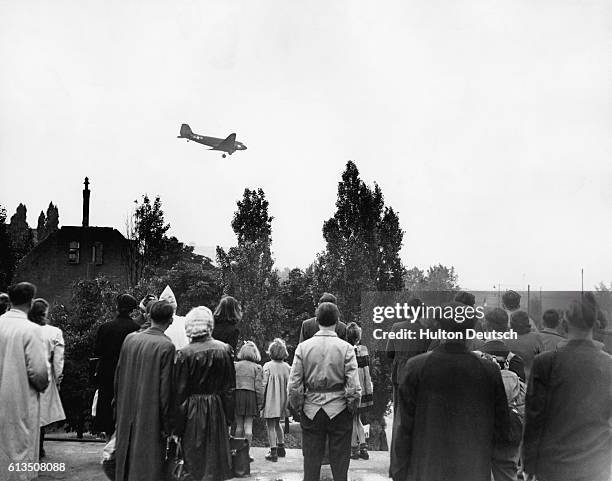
x=363 y=363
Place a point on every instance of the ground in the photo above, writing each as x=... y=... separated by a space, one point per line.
x=83 y=464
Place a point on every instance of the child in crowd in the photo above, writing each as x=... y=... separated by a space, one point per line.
x=249 y=389
x=276 y=377
x=358 y=444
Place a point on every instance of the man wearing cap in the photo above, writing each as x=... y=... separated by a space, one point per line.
x=107 y=347
x=324 y=387
x=143 y=395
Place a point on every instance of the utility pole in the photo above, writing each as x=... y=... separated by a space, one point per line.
x=528 y=295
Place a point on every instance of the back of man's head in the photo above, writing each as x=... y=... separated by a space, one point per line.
x=582 y=314
x=327 y=314
x=455 y=319
x=21 y=294
x=496 y=320
x=519 y=322
x=162 y=313
x=126 y=304
x=511 y=300
x=327 y=297
x=550 y=318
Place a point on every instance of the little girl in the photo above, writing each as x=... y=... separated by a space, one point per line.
x=249 y=389
x=276 y=377
x=358 y=445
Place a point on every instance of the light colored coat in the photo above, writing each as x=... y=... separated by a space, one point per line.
x=275 y=380
x=23 y=374
x=51 y=409
x=324 y=376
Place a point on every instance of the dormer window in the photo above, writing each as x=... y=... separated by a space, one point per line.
x=73 y=252
x=97 y=254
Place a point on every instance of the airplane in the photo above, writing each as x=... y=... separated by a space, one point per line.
x=228 y=145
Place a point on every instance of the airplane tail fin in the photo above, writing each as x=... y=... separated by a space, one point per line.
x=186 y=131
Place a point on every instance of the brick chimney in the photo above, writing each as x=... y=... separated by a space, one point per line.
x=86 y=193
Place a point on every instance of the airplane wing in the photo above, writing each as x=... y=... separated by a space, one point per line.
x=229 y=144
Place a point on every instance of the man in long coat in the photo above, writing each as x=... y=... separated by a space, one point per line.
x=23 y=375
x=143 y=388
x=107 y=347
x=452 y=407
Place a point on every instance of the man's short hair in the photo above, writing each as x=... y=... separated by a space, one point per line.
x=327 y=314
x=161 y=312
x=582 y=314
x=458 y=321
x=550 y=318
x=519 y=322
x=511 y=300
x=126 y=303
x=496 y=320
x=327 y=297
x=466 y=298
x=21 y=293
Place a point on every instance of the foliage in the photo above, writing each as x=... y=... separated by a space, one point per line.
x=146 y=234
x=7 y=257
x=20 y=233
x=41 y=232
x=247 y=270
x=437 y=278
x=52 y=220
x=92 y=303
x=363 y=240
x=194 y=283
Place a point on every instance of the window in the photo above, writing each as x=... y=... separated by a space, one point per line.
x=73 y=252
x=97 y=253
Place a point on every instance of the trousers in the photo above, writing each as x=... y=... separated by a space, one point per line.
x=314 y=434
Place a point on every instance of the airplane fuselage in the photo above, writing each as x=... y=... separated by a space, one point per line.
x=228 y=145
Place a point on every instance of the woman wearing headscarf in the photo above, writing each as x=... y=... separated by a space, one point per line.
x=204 y=383
x=51 y=409
x=227 y=315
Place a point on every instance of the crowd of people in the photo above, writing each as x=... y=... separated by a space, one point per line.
x=535 y=407
x=538 y=406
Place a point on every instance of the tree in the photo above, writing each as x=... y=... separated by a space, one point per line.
x=414 y=279
x=146 y=234
x=7 y=257
x=20 y=233
x=52 y=222
x=248 y=271
x=363 y=240
x=40 y=227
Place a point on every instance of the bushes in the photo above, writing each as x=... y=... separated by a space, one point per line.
x=92 y=303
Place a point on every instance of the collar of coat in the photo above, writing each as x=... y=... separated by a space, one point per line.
x=325 y=332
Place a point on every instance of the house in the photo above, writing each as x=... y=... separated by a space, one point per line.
x=74 y=253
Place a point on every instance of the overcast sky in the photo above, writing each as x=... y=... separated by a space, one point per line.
x=485 y=122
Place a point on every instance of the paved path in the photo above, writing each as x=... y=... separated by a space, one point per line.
x=83 y=464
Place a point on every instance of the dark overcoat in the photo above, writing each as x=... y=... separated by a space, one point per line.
x=143 y=389
x=568 y=414
x=109 y=339
x=452 y=408
x=204 y=383
x=310 y=327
